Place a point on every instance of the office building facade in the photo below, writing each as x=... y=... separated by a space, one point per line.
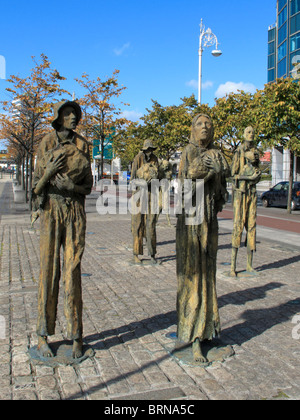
x=283 y=52
x=284 y=40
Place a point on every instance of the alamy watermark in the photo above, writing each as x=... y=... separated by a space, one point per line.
x=295 y=73
x=2 y=67
x=2 y=328
x=154 y=197
x=296 y=329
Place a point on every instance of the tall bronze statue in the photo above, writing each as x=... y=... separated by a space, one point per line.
x=245 y=174
x=145 y=167
x=197 y=245
x=62 y=179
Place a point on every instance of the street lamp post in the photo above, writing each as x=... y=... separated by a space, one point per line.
x=207 y=39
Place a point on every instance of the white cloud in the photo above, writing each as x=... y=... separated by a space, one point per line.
x=120 y=51
x=194 y=84
x=131 y=115
x=232 y=87
x=207 y=85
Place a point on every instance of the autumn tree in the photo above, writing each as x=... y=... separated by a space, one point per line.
x=102 y=113
x=128 y=142
x=26 y=118
x=165 y=127
x=231 y=115
x=17 y=141
x=277 y=109
x=169 y=127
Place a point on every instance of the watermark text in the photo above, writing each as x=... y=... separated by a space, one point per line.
x=296 y=329
x=154 y=197
x=2 y=67
x=2 y=328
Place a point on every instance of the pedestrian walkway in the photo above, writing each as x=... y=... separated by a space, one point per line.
x=130 y=318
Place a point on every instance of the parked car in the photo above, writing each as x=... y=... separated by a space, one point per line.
x=278 y=195
x=107 y=176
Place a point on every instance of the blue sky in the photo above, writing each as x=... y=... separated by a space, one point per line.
x=153 y=43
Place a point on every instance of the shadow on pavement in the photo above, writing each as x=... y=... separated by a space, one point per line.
x=134 y=330
x=279 y=264
x=256 y=322
x=243 y=296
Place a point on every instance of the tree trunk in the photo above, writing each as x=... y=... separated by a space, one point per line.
x=291 y=179
x=23 y=173
x=30 y=181
x=31 y=166
x=26 y=178
x=102 y=156
x=18 y=173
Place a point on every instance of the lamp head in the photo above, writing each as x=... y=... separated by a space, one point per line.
x=216 y=53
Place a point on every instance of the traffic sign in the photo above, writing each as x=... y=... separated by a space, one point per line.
x=108 y=146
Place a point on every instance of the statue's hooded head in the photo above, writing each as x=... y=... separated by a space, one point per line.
x=202 y=131
x=60 y=107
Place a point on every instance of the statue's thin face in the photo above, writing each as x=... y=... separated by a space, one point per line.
x=68 y=118
x=249 y=134
x=203 y=130
x=148 y=152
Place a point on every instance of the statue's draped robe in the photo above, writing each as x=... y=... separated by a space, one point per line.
x=143 y=225
x=197 y=306
x=62 y=225
x=244 y=202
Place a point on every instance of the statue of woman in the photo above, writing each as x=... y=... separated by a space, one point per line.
x=197 y=245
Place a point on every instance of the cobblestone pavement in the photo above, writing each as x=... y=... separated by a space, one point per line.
x=130 y=315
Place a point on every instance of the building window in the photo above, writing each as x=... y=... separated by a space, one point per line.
x=282 y=33
x=295 y=42
x=295 y=23
x=271 y=48
x=282 y=17
x=271 y=35
x=271 y=75
x=281 y=4
x=295 y=7
x=282 y=68
x=282 y=51
x=271 y=61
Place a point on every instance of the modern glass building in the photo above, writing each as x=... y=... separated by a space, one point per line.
x=284 y=40
x=283 y=51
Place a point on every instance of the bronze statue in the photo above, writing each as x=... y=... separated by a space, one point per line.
x=145 y=167
x=197 y=245
x=62 y=179
x=245 y=174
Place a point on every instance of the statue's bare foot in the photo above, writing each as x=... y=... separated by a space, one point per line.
x=136 y=259
x=251 y=270
x=153 y=260
x=43 y=347
x=77 y=349
x=197 y=352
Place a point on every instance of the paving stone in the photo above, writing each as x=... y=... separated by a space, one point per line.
x=129 y=313
x=46 y=382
